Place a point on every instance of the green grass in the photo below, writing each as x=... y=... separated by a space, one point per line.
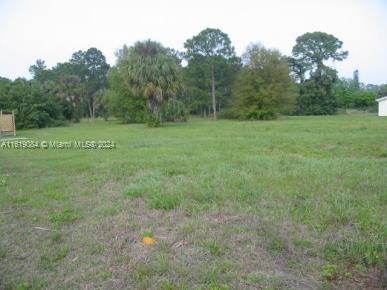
x=232 y=204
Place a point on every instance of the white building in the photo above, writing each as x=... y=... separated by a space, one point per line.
x=382 y=106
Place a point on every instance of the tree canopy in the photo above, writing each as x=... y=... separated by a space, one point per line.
x=92 y=69
x=263 y=86
x=313 y=48
x=153 y=72
x=212 y=65
x=154 y=83
x=316 y=79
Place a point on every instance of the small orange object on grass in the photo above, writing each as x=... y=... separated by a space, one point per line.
x=149 y=241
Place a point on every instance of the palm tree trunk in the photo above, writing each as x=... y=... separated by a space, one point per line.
x=154 y=109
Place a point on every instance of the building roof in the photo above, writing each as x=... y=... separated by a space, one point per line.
x=382 y=99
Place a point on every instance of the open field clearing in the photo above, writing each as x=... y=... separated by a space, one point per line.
x=297 y=203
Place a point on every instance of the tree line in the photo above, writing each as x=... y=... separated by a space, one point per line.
x=152 y=83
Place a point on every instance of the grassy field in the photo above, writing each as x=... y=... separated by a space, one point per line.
x=296 y=203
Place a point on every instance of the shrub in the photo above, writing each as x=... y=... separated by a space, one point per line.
x=35 y=106
x=152 y=120
x=125 y=106
x=251 y=113
x=363 y=99
x=174 y=111
x=263 y=87
x=258 y=114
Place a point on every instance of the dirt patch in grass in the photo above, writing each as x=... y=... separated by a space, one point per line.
x=220 y=247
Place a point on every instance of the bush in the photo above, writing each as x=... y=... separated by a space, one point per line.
x=364 y=99
x=152 y=120
x=126 y=107
x=174 y=111
x=248 y=114
x=258 y=114
x=263 y=87
x=35 y=106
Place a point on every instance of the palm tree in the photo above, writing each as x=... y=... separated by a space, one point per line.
x=152 y=71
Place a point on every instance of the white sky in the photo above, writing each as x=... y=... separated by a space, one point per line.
x=53 y=30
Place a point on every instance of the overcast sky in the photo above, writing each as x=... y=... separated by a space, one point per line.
x=53 y=30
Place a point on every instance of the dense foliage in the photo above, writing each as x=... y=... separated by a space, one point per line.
x=212 y=67
x=34 y=105
x=121 y=101
x=66 y=92
x=351 y=94
x=150 y=84
x=263 y=86
x=91 y=68
x=316 y=79
x=151 y=71
x=174 y=111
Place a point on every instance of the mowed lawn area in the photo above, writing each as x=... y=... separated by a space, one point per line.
x=296 y=203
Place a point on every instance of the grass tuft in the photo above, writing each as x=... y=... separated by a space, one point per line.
x=164 y=201
x=65 y=216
